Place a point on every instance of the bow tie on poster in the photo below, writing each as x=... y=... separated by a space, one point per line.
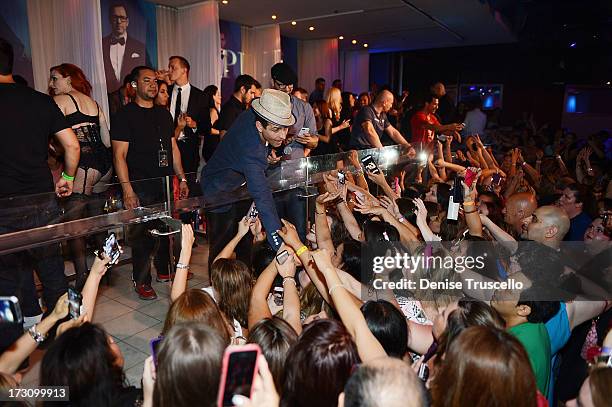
x=119 y=40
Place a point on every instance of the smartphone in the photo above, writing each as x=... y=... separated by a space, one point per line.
x=303 y=131
x=469 y=177
x=238 y=372
x=74 y=303
x=442 y=138
x=10 y=311
x=111 y=248
x=369 y=164
x=253 y=212
x=279 y=293
x=341 y=178
x=154 y=343
x=282 y=257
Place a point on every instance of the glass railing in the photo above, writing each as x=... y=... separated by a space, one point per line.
x=35 y=220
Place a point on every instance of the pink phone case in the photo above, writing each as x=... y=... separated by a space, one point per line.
x=251 y=347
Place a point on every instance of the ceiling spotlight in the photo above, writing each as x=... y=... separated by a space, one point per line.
x=273 y=16
x=293 y=23
x=354 y=41
x=224 y=1
x=365 y=45
x=311 y=28
x=341 y=37
x=608 y=83
x=572 y=45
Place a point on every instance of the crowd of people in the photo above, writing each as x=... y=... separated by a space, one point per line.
x=302 y=284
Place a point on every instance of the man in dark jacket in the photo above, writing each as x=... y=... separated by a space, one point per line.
x=241 y=159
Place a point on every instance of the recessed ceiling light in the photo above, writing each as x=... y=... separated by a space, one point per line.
x=341 y=37
x=354 y=41
x=293 y=23
x=224 y=1
x=365 y=45
x=273 y=16
x=311 y=28
x=608 y=83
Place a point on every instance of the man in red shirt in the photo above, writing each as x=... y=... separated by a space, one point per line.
x=425 y=124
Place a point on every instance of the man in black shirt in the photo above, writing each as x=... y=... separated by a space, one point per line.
x=446 y=109
x=244 y=92
x=144 y=147
x=28 y=119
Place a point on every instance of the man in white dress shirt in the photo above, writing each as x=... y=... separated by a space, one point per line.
x=121 y=52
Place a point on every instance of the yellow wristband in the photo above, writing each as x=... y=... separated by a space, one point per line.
x=301 y=250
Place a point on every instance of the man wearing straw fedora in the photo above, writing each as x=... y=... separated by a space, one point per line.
x=242 y=157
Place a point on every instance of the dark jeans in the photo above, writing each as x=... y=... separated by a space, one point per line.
x=16 y=269
x=143 y=244
x=292 y=208
x=222 y=227
x=80 y=206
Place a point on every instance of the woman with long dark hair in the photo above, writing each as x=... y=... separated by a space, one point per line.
x=212 y=99
x=87 y=361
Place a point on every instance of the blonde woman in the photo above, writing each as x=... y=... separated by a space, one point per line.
x=339 y=125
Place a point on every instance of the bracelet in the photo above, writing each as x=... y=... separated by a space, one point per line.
x=288 y=278
x=301 y=250
x=182 y=266
x=37 y=336
x=333 y=287
x=67 y=177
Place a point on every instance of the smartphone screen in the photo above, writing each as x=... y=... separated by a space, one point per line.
x=304 y=130
x=253 y=212
x=10 y=311
x=154 y=343
x=369 y=164
x=341 y=178
x=74 y=303
x=111 y=248
x=239 y=368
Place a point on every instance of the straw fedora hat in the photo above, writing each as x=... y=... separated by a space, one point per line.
x=275 y=107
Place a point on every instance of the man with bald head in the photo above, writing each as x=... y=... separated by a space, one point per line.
x=518 y=210
x=548 y=226
x=384 y=382
x=371 y=124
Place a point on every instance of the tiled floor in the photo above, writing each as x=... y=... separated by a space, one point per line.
x=132 y=322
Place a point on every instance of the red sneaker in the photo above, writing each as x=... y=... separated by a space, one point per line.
x=164 y=278
x=145 y=292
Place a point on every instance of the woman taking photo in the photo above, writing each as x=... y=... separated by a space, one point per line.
x=71 y=91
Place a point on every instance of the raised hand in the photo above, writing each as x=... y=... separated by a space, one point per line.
x=290 y=235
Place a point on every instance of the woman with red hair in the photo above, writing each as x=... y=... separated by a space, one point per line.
x=72 y=93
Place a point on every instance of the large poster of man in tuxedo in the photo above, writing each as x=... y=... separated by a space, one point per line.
x=126 y=30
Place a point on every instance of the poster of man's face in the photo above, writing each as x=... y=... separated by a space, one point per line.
x=125 y=27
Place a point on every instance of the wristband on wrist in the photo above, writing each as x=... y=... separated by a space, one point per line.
x=67 y=177
x=289 y=278
x=37 y=336
x=401 y=219
x=301 y=250
x=182 y=266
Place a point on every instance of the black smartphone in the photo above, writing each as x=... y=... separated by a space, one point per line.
x=75 y=303
x=10 y=311
x=370 y=165
x=341 y=177
x=238 y=372
x=282 y=257
x=154 y=343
